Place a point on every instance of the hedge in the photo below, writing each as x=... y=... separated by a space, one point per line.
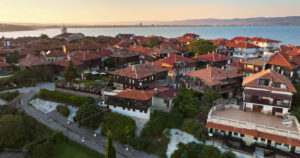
x=63 y=97
x=8 y=96
x=63 y=110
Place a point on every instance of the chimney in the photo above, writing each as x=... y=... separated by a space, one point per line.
x=222 y=67
x=290 y=57
x=168 y=54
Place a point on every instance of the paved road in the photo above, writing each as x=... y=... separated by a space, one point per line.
x=57 y=122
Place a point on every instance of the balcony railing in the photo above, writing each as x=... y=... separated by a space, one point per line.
x=267 y=102
x=128 y=105
x=253 y=126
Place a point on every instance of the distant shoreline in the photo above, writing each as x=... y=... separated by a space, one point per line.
x=31 y=28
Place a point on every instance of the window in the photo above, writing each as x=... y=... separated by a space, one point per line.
x=242 y=135
x=262 y=139
x=286 y=145
x=277 y=143
x=255 y=138
x=263 y=82
x=236 y=134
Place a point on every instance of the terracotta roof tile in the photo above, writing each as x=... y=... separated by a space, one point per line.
x=252 y=81
x=133 y=94
x=213 y=75
x=213 y=57
x=138 y=71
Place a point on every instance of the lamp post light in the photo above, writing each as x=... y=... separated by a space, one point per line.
x=212 y=136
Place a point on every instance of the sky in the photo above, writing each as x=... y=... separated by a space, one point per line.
x=118 y=11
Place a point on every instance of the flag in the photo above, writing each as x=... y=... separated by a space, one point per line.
x=64 y=49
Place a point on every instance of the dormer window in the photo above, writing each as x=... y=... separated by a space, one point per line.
x=263 y=82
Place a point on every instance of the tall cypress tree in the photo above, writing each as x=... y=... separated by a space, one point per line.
x=70 y=72
x=110 y=150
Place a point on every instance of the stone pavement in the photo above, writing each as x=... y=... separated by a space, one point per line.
x=57 y=122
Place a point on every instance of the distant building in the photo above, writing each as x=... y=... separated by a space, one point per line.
x=243 y=50
x=137 y=76
x=212 y=59
x=224 y=81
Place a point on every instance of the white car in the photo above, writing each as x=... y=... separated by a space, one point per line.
x=102 y=104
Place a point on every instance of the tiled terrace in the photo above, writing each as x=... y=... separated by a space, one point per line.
x=255 y=118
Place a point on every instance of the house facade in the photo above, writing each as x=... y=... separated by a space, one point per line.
x=137 y=76
x=212 y=78
x=268 y=92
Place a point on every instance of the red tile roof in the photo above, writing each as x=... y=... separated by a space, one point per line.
x=65 y=62
x=213 y=57
x=240 y=39
x=219 y=41
x=237 y=64
x=84 y=56
x=167 y=92
x=33 y=60
x=263 y=40
x=252 y=81
x=133 y=94
x=173 y=58
x=255 y=133
x=124 y=54
x=138 y=71
x=285 y=60
x=244 y=45
x=104 y=52
x=213 y=75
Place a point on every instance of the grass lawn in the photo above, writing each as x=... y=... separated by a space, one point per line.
x=74 y=150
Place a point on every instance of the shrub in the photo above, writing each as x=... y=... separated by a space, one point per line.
x=89 y=115
x=122 y=127
x=43 y=150
x=139 y=143
x=191 y=126
x=228 y=154
x=63 y=110
x=159 y=121
x=210 y=96
x=8 y=96
x=63 y=97
x=12 y=132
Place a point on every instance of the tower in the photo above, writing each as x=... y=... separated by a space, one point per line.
x=64 y=29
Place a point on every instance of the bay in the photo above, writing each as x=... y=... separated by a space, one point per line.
x=286 y=34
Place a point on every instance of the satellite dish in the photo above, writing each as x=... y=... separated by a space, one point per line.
x=48 y=52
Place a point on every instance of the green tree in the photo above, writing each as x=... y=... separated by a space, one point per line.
x=193 y=127
x=110 y=150
x=228 y=154
x=201 y=47
x=210 y=96
x=89 y=115
x=71 y=72
x=296 y=97
x=12 y=131
x=190 y=150
x=186 y=103
x=122 y=127
x=159 y=121
x=44 y=36
x=14 y=57
x=153 y=42
x=209 y=151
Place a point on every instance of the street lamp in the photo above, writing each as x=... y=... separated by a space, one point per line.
x=212 y=136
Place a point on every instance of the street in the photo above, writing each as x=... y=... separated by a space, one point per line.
x=57 y=122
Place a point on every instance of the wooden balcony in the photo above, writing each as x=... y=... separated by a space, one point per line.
x=267 y=102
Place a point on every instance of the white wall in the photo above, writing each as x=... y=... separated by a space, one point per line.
x=131 y=113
